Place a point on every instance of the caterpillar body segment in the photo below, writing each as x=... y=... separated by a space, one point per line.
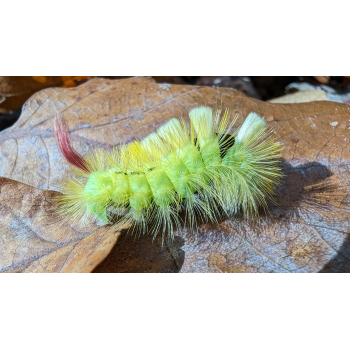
x=197 y=169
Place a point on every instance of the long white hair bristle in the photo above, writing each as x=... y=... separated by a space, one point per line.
x=252 y=126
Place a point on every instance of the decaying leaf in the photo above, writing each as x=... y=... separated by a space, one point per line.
x=310 y=93
x=308 y=232
x=323 y=80
x=34 y=240
x=326 y=80
x=14 y=91
x=301 y=97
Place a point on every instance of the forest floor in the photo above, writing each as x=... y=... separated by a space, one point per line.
x=260 y=87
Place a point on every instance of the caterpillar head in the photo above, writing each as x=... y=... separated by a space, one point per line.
x=99 y=186
x=104 y=189
x=106 y=186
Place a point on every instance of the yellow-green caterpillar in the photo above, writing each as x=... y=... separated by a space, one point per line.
x=176 y=175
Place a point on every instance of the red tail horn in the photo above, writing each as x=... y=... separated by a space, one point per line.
x=62 y=138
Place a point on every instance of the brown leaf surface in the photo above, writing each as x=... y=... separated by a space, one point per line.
x=309 y=232
x=301 y=97
x=32 y=240
x=14 y=91
x=323 y=80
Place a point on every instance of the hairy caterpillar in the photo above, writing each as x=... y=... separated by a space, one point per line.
x=182 y=173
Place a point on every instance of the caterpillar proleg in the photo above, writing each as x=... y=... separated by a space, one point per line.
x=177 y=175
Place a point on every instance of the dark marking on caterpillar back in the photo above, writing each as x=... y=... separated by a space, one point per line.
x=226 y=141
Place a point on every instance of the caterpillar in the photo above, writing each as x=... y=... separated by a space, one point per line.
x=181 y=174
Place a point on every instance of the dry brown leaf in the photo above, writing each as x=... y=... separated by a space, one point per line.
x=14 y=91
x=33 y=240
x=323 y=80
x=301 y=97
x=326 y=80
x=308 y=233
